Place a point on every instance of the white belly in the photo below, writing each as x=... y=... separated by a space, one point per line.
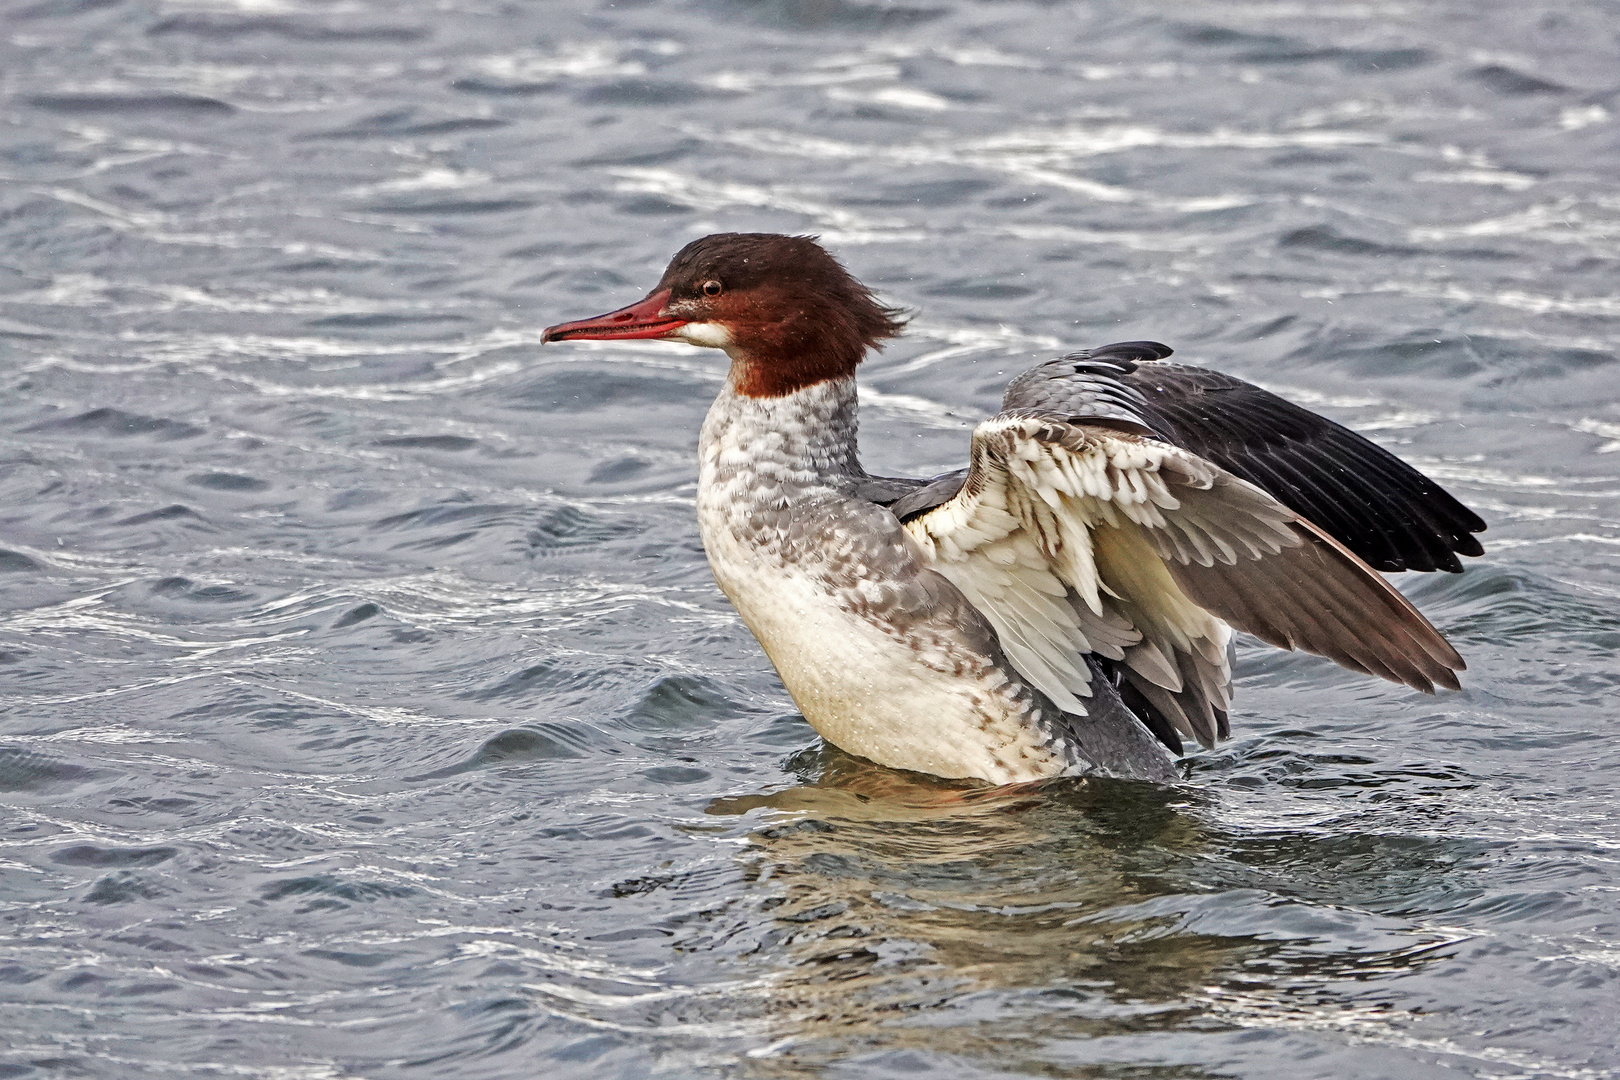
x=868 y=692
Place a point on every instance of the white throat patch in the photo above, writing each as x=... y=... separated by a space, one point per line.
x=710 y=335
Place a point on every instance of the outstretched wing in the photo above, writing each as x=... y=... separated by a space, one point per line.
x=1076 y=537
x=1375 y=504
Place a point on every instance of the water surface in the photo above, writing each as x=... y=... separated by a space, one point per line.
x=367 y=708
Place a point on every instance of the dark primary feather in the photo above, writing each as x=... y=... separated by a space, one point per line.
x=928 y=494
x=1118 y=733
x=1375 y=504
x=885 y=490
x=1144 y=710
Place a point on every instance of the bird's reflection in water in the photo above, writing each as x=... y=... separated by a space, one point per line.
x=916 y=916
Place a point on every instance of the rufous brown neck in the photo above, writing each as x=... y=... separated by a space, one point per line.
x=786 y=339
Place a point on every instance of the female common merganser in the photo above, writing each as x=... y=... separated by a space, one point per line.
x=1064 y=605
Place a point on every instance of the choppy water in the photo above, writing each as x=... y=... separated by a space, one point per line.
x=367 y=708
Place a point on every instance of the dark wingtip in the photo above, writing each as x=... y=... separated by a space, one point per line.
x=1155 y=721
x=1137 y=351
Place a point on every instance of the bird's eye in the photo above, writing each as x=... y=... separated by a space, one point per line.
x=712 y=288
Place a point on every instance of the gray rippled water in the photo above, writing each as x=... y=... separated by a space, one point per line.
x=367 y=708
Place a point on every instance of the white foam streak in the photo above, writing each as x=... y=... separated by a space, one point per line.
x=571 y=60
x=1046 y=156
x=1375 y=1024
x=1606 y=428
x=1179 y=241
x=843 y=225
x=1586 y=222
x=1502 y=178
x=437 y=178
x=91 y=291
x=965 y=341
x=1576 y=117
x=1304 y=396
x=1517 y=299
x=916 y=409
x=750 y=81
x=1395 y=421
x=159 y=229
x=904 y=97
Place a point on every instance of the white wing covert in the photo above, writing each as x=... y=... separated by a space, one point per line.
x=1073 y=538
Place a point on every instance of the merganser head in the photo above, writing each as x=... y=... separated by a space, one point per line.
x=786 y=312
